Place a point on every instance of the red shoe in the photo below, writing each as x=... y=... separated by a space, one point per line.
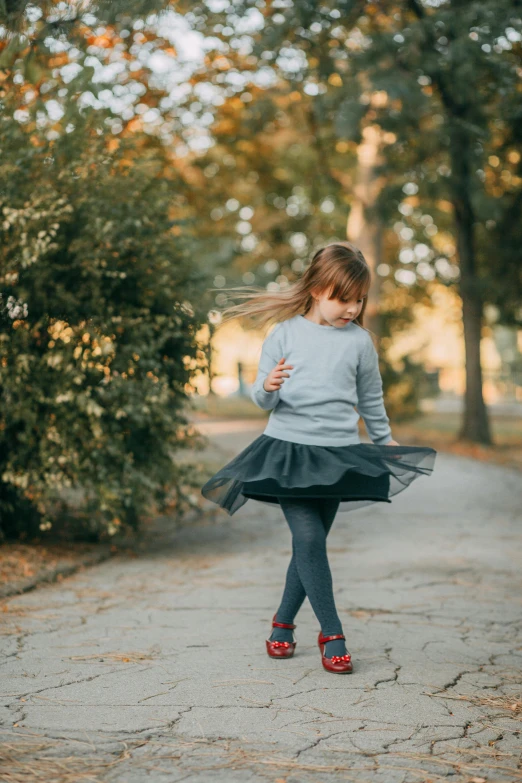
x=280 y=649
x=340 y=664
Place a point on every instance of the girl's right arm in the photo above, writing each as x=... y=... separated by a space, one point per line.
x=271 y=354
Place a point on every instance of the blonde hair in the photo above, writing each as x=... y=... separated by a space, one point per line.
x=339 y=266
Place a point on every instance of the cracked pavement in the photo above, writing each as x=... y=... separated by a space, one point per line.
x=156 y=665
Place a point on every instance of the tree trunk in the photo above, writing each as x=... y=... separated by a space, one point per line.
x=210 y=356
x=475 y=424
x=367 y=235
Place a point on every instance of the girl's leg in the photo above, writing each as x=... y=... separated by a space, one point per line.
x=309 y=538
x=293 y=597
x=294 y=592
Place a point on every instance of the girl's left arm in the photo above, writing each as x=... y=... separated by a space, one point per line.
x=370 y=397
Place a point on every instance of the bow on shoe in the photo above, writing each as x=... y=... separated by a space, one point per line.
x=336 y=658
x=280 y=644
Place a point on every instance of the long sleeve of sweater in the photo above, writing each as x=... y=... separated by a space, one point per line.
x=370 y=396
x=270 y=355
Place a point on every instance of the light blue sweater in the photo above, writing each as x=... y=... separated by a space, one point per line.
x=334 y=370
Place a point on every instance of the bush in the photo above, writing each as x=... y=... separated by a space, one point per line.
x=97 y=331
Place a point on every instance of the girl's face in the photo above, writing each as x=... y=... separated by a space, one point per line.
x=336 y=312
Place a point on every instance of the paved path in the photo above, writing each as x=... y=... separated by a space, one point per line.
x=156 y=665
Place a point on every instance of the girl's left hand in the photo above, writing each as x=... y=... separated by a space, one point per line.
x=392 y=443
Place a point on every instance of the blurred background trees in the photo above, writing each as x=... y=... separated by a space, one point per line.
x=409 y=115
x=137 y=182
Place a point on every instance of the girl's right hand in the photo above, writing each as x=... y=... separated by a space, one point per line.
x=274 y=379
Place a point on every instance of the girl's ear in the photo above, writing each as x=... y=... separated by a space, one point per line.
x=314 y=293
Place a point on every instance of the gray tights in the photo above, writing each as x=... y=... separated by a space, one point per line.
x=308 y=574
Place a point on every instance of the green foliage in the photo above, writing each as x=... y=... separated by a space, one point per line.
x=97 y=333
x=16 y=15
x=455 y=113
x=404 y=389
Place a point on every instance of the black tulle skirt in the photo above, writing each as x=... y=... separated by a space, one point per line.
x=357 y=475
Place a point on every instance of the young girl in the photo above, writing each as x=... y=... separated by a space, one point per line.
x=316 y=365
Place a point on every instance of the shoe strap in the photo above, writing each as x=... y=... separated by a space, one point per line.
x=324 y=639
x=283 y=625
